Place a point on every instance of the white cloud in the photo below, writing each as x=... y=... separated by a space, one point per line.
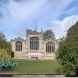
x=36 y=8
x=39 y=9
x=22 y=11
x=60 y=27
x=20 y=14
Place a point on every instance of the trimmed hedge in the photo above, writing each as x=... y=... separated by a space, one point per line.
x=9 y=65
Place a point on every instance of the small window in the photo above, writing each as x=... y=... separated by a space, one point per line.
x=50 y=47
x=18 y=46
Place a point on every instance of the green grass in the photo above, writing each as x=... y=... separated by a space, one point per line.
x=37 y=67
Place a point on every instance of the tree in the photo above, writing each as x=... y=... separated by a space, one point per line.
x=4 y=55
x=4 y=44
x=2 y=40
x=68 y=51
x=6 y=62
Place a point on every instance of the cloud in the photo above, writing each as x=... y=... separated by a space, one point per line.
x=60 y=27
x=21 y=14
x=45 y=11
x=22 y=11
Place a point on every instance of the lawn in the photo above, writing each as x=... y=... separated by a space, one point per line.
x=37 y=67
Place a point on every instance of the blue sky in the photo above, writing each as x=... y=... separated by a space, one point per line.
x=18 y=15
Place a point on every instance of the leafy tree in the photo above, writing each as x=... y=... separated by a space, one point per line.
x=68 y=51
x=4 y=44
x=6 y=62
x=4 y=55
x=2 y=40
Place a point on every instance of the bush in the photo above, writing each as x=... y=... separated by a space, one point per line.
x=68 y=51
x=7 y=65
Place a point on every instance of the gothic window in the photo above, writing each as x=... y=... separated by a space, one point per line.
x=50 y=47
x=34 y=43
x=18 y=46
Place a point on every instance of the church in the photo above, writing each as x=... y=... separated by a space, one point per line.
x=36 y=45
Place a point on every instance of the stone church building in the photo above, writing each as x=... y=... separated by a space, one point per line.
x=36 y=45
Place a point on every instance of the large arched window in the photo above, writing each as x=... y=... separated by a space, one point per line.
x=50 y=47
x=18 y=46
x=34 y=43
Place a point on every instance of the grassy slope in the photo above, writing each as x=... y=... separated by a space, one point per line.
x=37 y=67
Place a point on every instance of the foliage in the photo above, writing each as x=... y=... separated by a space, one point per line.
x=4 y=44
x=6 y=62
x=68 y=51
x=3 y=54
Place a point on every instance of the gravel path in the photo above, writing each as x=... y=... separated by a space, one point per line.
x=36 y=76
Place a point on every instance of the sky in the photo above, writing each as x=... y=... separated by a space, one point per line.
x=16 y=16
